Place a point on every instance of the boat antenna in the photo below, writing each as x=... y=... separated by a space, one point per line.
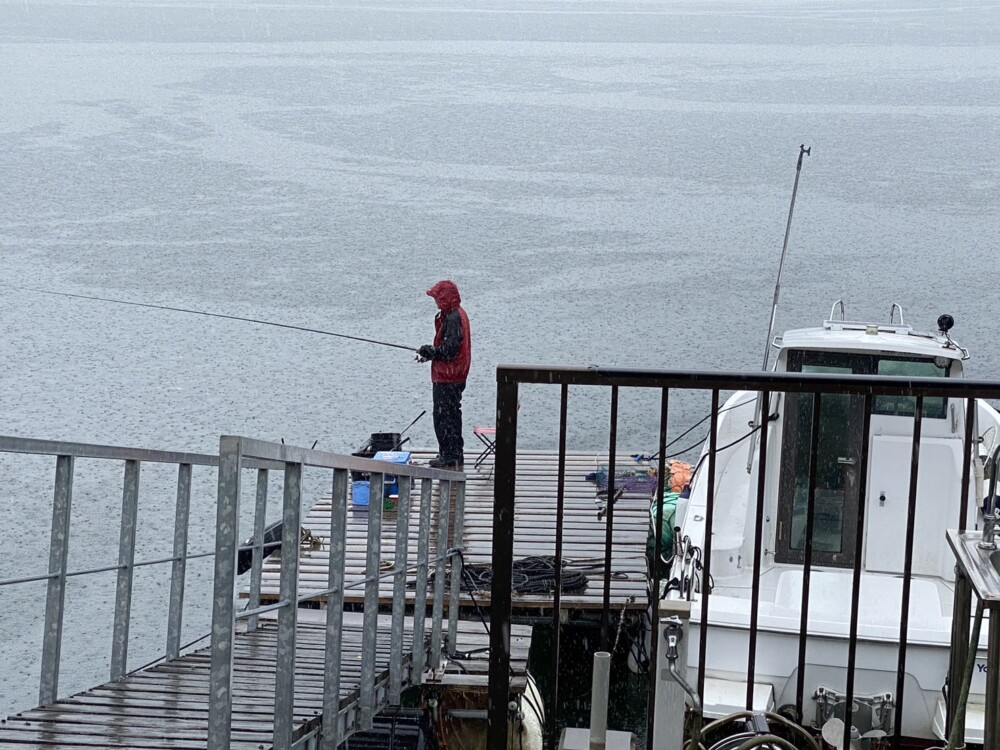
x=803 y=151
x=212 y=315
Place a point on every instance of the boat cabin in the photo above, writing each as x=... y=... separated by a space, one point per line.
x=850 y=348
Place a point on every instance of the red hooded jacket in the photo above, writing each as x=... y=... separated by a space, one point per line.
x=452 y=336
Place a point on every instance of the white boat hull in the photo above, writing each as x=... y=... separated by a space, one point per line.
x=826 y=667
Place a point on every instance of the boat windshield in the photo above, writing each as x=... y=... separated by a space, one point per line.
x=852 y=363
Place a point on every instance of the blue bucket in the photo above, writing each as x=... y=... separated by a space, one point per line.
x=395 y=457
x=360 y=494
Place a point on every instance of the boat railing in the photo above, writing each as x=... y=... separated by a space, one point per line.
x=770 y=386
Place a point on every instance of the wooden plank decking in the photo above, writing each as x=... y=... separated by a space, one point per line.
x=534 y=534
x=166 y=706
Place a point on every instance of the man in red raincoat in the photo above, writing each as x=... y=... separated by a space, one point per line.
x=450 y=356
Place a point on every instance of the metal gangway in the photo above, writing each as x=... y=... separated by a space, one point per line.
x=274 y=675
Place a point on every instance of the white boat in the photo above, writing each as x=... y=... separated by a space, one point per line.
x=839 y=347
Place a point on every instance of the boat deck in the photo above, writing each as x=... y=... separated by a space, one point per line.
x=166 y=706
x=584 y=534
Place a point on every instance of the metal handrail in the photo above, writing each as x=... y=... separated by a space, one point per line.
x=234 y=452
x=281 y=454
x=237 y=454
x=775 y=382
x=892 y=313
x=38 y=447
x=58 y=574
x=511 y=377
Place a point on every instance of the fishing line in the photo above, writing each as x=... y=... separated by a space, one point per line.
x=212 y=315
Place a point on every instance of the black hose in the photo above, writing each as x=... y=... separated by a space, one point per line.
x=692 y=428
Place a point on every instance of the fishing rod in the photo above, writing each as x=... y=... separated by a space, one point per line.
x=399 y=443
x=803 y=151
x=212 y=315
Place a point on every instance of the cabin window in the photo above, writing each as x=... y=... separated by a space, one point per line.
x=879 y=364
x=904 y=406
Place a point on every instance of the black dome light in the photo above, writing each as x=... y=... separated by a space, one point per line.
x=945 y=323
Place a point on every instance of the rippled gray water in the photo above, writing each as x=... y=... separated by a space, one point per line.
x=607 y=182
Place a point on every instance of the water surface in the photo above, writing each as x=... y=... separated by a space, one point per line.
x=606 y=181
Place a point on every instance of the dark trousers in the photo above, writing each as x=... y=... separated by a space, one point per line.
x=448 y=420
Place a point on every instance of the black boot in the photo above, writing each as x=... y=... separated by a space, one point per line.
x=446 y=463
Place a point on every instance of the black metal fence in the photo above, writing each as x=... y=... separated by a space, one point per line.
x=868 y=389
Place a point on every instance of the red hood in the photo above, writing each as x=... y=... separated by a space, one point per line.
x=445 y=293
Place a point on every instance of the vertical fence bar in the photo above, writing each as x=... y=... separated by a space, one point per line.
x=706 y=581
x=399 y=591
x=420 y=590
x=800 y=682
x=178 y=568
x=609 y=523
x=758 y=542
x=444 y=503
x=126 y=557
x=220 y=696
x=257 y=561
x=557 y=595
x=331 y=737
x=369 y=635
x=456 y=566
x=288 y=587
x=911 y=519
x=991 y=721
x=503 y=560
x=657 y=573
x=960 y=635
x=970 y=423
x=859 y=536
x=55 y=595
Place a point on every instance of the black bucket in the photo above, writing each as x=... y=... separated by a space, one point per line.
x=384 y=441
x=377 y=441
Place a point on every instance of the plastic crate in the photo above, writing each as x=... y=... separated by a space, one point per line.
x=394 y=457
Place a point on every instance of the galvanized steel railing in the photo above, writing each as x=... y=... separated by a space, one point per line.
x=132 y=459
x=237 y=454
x=769 y=385
x=234 y=454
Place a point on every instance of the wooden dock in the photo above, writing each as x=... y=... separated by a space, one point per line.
x=534 y=534
x=166 y=706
